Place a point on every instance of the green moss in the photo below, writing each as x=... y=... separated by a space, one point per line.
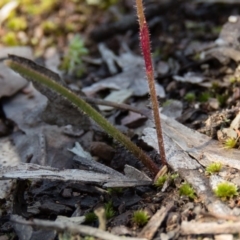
x=109 y=212
x=140 y=217
x=225 y=190
x=204 y=97
x=49 y=26
x=222 y=99
x=230 y=143
x=90 y=217
x=187 y=190
x=38 y=7
x=10 y=39
x=213 y=168
x=161 y=180
x=190 y=97
x=17 y=24
x=174 y=176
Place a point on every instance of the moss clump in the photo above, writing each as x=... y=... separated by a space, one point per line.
x=213 y=168
x=17 y=24
x=226 y=190
x=230 y=143
x=38 y=7
x=140 y=217
x=190 y=97
x=49 y=26
x=10 y=39
x=109 y=212
x=204 y=97
x=90 y=217
x=161 y=180
x=187 y=190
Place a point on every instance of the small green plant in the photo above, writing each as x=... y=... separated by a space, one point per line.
x=204 y=97
x=109 y=212
x=90 y=217
x=17 y=24
x=174 y=176
x=72 y=62
x=214 y=168
x=38 y=7
x=226 y=190
x=10 y=39
x=140 y=217
x=230 y=142
x=222 y=98
x=187 y=190
x=161 y=180
x=49 y=26
x=190 y=97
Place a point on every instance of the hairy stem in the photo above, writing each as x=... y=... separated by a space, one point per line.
x=146 y=51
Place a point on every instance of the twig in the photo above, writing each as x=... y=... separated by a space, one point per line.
x=72 y=228
x=122 y=106
x=209 y=228
x=219 y=216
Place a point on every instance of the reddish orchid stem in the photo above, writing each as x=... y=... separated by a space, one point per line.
x=146 y=51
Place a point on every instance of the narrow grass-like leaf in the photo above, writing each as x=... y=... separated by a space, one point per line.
x=30 y=71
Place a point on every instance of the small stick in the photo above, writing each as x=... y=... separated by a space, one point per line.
x=122 y=106
x=197 y=228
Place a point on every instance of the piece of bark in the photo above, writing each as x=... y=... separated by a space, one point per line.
x=34 y=171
